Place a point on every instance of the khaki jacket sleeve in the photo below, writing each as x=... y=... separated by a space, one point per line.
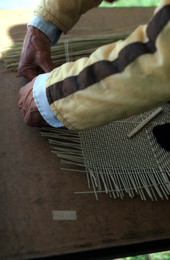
x=117 y=80
x=64 y=13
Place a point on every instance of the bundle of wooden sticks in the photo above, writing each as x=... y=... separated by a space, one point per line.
x=65 y=50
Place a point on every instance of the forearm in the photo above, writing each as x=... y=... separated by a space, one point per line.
x=116 y=81
x=64 y=14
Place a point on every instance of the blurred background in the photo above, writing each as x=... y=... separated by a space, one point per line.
x=20 y=4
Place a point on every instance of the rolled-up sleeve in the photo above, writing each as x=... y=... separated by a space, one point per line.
x=49 y=29
x=39 y=94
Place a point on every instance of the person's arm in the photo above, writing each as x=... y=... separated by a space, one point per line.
x=117 y=80
x=40 y=98
x=51 y=18
x=35 y=58
x=64 y=14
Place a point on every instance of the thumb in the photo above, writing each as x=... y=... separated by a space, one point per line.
x=28 y=71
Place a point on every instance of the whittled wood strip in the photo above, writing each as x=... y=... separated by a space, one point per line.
x=144 y=122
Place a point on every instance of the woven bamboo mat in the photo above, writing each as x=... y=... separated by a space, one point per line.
x=115 y=164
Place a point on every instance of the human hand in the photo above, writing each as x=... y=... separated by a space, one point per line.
x=35 y=57
x=27 y=106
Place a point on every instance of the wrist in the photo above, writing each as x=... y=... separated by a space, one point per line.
x=50 y=30
x=34 y=31
x=39 y=94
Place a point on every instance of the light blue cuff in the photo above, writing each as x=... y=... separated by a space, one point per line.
x=49 y=29
x=39 y=94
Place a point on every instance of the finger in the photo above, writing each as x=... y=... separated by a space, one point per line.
x=20 y=102
x=29 y=72
x=25 y=94
x=33 y=118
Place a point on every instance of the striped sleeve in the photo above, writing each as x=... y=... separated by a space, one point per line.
x=117 y=80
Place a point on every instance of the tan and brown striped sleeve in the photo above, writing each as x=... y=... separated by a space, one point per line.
x=117 y=80
x=64 y=13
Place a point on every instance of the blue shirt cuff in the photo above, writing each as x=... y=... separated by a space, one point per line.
x=49 y=29
x=39 y=94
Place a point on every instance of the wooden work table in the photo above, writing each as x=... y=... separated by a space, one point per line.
x=32 y=186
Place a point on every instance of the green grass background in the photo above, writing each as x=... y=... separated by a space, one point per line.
x=155 y=256
x=128 y=3
x=143 y=3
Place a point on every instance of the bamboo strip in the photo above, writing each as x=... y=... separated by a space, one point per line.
x=144 y=122
x=65 y=50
